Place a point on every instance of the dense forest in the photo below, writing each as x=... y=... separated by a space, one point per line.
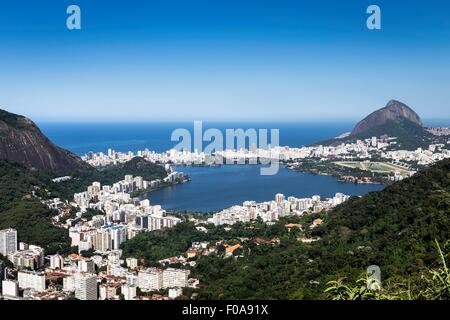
x=397 y=226
x=21 y=211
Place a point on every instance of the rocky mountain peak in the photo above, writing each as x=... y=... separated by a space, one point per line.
x=22 y=141
x=393 y=111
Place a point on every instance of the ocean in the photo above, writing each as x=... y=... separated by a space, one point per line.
x=80 y=138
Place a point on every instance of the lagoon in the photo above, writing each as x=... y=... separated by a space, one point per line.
x=216 y=188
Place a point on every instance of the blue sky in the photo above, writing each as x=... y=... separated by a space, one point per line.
x=222 y=59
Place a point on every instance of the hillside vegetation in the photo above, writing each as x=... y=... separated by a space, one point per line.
x=21 y=211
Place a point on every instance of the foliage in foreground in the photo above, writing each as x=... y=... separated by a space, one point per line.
x=433 y=286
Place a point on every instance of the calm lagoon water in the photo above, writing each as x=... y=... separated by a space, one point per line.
x=216 y=188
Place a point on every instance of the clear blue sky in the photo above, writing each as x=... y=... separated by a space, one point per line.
x=222 y=59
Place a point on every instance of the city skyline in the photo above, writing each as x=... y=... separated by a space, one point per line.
x=183 y=61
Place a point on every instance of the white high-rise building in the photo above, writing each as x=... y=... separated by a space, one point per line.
x=114 y=256
x=175 y=278
x=175 y=293
x=118 y=236
x=86 y=266
x=86 y=287
x=129 y=292
x=69 y=284
x=279 y=198
x=31 y=280
x=56 y=262
x=150 y=279
x=158 y=222
x=10 y=288
x=132 y=279
x=132 y=263
x=108 y=291
x=8 y=241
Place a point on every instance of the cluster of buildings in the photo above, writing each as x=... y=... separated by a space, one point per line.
x=25 y=256
x=99 y=159
x=100 y=197
x=439 y=131
x=122 y=219
x=361 y=148
x=358 y=150
x=120 y=216
x=103 y=276
x=270 y=211
x=29 y=282
x=422 y=157
x=28 y=256
x=107 y=232
x=155 y=279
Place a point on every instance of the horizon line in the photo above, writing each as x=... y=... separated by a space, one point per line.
x=212 y=120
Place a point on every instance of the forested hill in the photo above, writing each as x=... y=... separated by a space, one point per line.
x=396 y=227
x=21 y=211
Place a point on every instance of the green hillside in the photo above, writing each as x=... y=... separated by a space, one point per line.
x=398 y=224
x=21 y=211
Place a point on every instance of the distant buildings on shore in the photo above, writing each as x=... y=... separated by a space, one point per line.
x=379 y=147
x=273 y=210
